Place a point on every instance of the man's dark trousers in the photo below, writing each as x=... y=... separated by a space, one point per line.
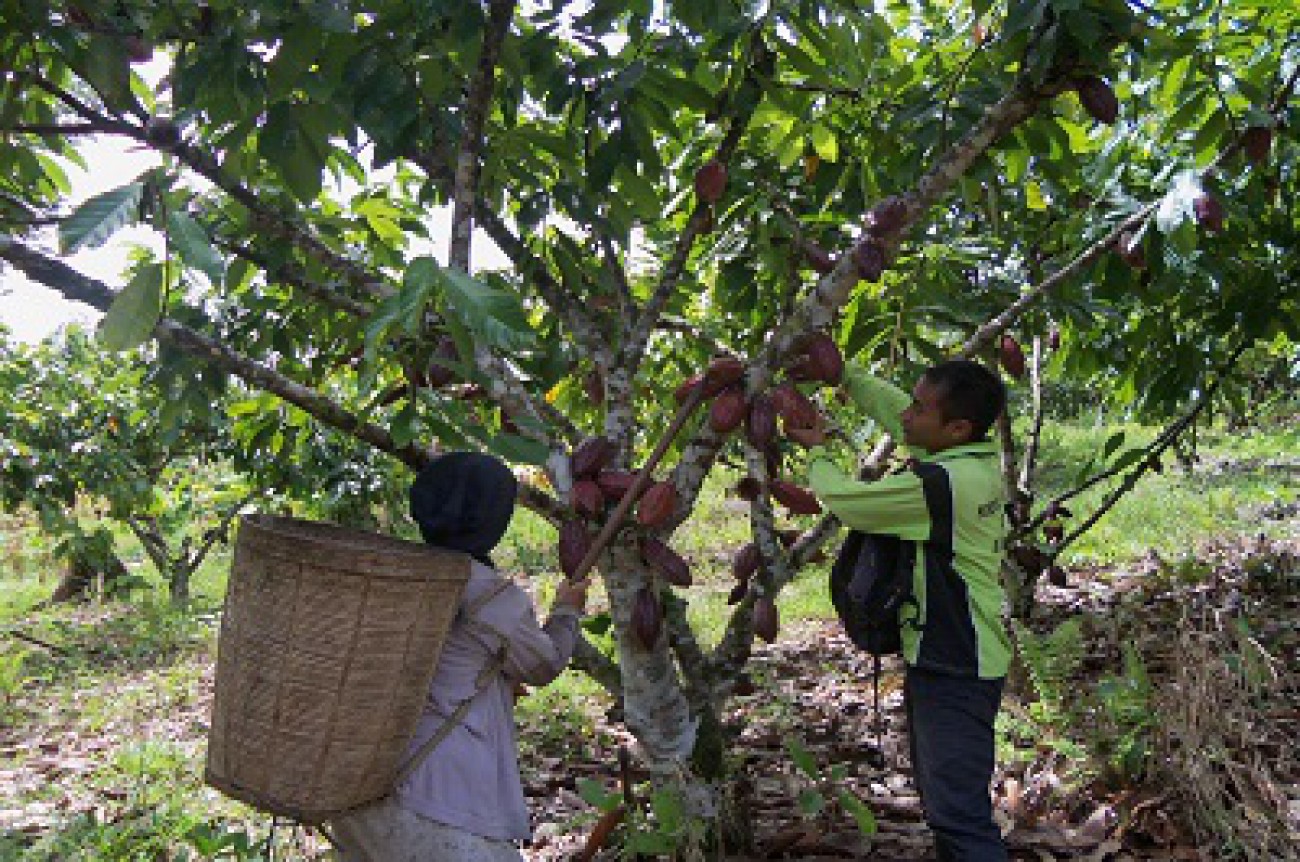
x=950 y=722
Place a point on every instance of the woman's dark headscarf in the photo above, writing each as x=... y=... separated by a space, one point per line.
x=463 y=501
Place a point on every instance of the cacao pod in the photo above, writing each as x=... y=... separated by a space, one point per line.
x=808 y=437
x=591 y=456
x=1054 y=338
x=162 y=132
x=587 y=498
x=615 y=483
x=1130 y=250
x=727 y=410
x=657 y=505
x=1257 y=141
x=738 y=592
x=711 y=181
x=1053 y=531
x=887 y=216
x=438 y=373
x=594 y=385
x=667 y=562
x=800 y=370
x=1012 y=357
x=706 y=220
x=575 y=541
x=824 y=358
x=748 y=489
x=1098 y=99
x=781 y=397
x=798 y=410
x=818 y=258
x=646 y=617
x=746 y=562
x=1056 y=576
x=766 y=621
x=138 y=49
x=760 y=425
x=685 y=388
x=799 y=501
x=1029 y=558
x=1209 y=213
x=721 y=373
x=788 y=537
x=743 y=686
x=869 y=260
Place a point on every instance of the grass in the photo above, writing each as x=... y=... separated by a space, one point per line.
x=132 y=671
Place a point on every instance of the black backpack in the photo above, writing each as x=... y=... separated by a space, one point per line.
x=871 y=580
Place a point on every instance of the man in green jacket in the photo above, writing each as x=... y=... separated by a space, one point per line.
x=950 y=502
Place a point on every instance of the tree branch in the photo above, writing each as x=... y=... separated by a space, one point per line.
x=465 y=187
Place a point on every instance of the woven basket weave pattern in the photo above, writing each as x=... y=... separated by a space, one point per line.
x=327 y=645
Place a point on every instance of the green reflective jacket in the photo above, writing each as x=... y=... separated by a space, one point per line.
x=952 y=504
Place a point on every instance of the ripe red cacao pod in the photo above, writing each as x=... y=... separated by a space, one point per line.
x=647 y=618
x=748 y=489
x=1209 y=213
x=1257 y=141
x=1056 y=576
x=799 y=501
x=594 y=385
x=686 y=387
x=1053 y=531
x=760 y=424
x=721 y=373
x=587 y=498
x=575 y=541
x=800 y=369
x=1098 y=99
x=657 y=505
x=869 y=260
x=1054 y=338
x=746 y=562
x=825 y=359
x=808 y=437
x=667 y=562
x=711 y=181
x=766 y=621
x=818 y=258
x=592 y=456
x=1029 y=558
x=1130 y=250
x=727 y=410
x=438 y=373
x=887 y=216
x=1011 y=357
x=615 y=483
x=781 y=397
x=737 y=594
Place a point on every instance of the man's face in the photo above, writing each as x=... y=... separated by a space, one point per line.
x=924 y=426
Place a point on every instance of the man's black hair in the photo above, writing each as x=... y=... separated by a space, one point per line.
x=970 y=391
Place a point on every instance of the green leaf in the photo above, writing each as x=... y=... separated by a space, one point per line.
x=595 y=794
x=811 y=802
x=494 y=315
x=519 y=450
x=1112 y=444
x=131 y=319
x=859 y=810
x=108 y=71
x=194 y=246
x=824 y=143
x=92 y=223
x=801 y=757
x=669 y=811
x=402 y=427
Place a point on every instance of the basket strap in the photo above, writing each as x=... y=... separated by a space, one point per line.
x=485 y=679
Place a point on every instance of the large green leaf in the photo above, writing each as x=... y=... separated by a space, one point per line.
x=494 y=315
x=194 y=246
x=92 y=223
x=131 y=319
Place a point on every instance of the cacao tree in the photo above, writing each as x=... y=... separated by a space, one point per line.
x=737 y=191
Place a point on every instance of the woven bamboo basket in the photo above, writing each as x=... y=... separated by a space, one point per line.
x=328 y=642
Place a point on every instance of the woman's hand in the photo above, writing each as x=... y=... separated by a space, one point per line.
x=572 y=593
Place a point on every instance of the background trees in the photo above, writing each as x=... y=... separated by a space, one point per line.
x=669 y=184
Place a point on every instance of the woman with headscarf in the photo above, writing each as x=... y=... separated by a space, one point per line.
x=465 y=800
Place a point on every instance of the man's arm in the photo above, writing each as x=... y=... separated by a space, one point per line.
x=894 y=505
x=882 y=401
